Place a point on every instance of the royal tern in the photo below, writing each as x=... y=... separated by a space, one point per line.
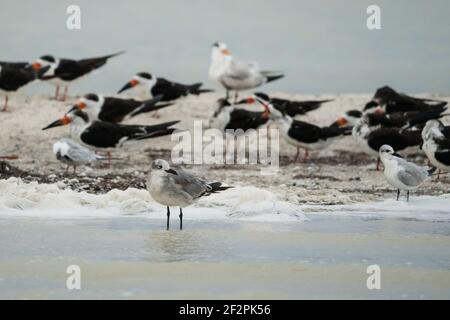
x=175 y=187
x=236 y=75
x=401 y=174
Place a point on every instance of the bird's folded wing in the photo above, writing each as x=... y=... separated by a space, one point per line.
x=188 y=183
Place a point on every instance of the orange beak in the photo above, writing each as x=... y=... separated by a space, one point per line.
x=266 y=113
x=342 y=122
x=36 y=66
x=81 y=105
x=60 y=122
x=65 y=120
x=226 y=52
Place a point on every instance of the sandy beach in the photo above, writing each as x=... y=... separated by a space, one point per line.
x=310 y=231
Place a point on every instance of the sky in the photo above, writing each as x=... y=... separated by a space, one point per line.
x=323 y=46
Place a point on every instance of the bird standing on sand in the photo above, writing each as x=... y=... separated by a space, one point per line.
x=111 y=109
x=63 y=71
x=72 y=154
x=299 y=133
x=13 y=76
x=175 y=187
x=147 y=85
x=236 y=75
x=105 y=136
x=402 y=174
x=436 y=144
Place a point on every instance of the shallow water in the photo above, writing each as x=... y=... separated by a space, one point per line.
x=134 y=257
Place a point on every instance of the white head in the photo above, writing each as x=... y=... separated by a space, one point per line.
x=432 y=130
x=386 y=151
x=220 y=51
x=91 y=103
x=348 y=119
x=45 y=61
x=140 y=80
x=160 y=166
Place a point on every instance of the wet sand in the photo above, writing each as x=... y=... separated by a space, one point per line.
x=124 y=258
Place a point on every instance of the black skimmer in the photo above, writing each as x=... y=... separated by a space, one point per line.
x=13 y=76
x=111 y=109
x=301 y=134
x=436 y=144
x=292 y=107
x=147 y=85
x=401 y=174
x=64 y=71
x=392 y=101
x=101 y=135
x=371 y=139
x=228 y=117
x=236 y=75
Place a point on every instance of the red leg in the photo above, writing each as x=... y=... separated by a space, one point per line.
x=297 y=155
x=5 y=107
x=305 y=158
x=57 y=92
x=378 y=164
x=66 y=90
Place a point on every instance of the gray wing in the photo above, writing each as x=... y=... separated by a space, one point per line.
x=79 y=153
x=411 y=175
x=188 y=183
x=240 y=70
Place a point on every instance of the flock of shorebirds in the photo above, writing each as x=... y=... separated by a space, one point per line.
x=390 y=123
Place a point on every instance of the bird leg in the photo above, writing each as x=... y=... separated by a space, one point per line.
x=181 y=219
x=168 y=216
x=305 y=158
x=407 y=196
x=109 y=158
x=236 y=96
x=378 y=164
x=297 y=154
x=439 y=174
x=227 y=95
x=66 y=90
x=67 y=170
x=5 y=107
x=74 y=170
x=398 y=194
x=57 y=92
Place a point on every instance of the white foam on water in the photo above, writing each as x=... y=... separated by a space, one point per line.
x=425 y=208
x=50 y=200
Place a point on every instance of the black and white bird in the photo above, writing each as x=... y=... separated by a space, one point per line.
x=293 y=107
x=13 y=76
x=173 y=187
x=228 y=117
x=73 y=154
x=101 y=135
x=371 y=139
x=235 y=75
x=62 y=72
x=146 y=85
x=436 y=144
x=111 y=109
x=392 y=101
x=401 y=174
x=301 y=134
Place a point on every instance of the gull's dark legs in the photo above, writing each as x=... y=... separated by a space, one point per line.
x=227 y=95
x=236 y=95
x=407 y=196
x=378 y=164
x=181 y=219
x=398 y=194
x=168 y=216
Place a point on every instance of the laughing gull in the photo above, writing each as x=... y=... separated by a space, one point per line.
x=72 y=154
x=236 y=75
x=402 y=174
x=175 y=187
x=64 y=71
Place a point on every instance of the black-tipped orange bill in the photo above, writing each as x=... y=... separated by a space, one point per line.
x=36 y=66
x=130 y=84
x=60 y=122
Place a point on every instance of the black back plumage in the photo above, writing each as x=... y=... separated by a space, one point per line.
x=170 y=90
